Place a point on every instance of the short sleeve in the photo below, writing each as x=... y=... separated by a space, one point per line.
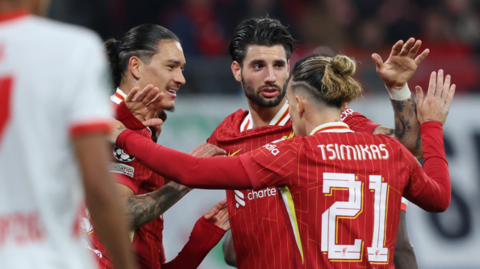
x=271 y=165
x=86 y=95
x=123 y=174
x=358 y=122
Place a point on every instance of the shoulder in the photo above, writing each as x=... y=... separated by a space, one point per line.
x=230 y=124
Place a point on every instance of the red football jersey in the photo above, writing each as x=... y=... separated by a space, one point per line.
x=343 y=190
x=146 y=240
x=259 y=230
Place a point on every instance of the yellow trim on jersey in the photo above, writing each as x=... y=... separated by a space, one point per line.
x=131 y=235
x=231 y=154
x=288 y=199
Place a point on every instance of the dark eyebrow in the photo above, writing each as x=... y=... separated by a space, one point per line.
x=280 y=61
x=257 y=61
x=176 y=62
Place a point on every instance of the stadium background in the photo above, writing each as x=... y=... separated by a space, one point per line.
x=450 y=28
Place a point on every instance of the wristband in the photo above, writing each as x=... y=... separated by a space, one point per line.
x=400 y=94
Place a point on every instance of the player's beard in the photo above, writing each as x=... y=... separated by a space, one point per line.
x=256 y=95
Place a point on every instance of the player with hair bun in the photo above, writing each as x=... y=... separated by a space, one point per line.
x=260 y=49
x=343 y=189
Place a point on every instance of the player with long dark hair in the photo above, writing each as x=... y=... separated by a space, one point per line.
x=343 y=188
x=150 y=57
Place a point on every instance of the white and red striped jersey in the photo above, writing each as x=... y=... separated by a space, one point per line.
x=53 y=87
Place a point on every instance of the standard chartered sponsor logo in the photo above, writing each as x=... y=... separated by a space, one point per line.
x=239 y=197
x=252 y=195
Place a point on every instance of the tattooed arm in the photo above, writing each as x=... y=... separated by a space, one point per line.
x=144 y=208
x=407 y=128
x=395 y=72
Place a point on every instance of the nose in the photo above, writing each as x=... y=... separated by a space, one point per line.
x=179 y=78
x=270 y=79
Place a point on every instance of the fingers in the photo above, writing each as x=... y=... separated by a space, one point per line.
x=153 y=122
x=446 y=87
x=432 y=84
x=406 y=48
x=397 y=48
x=207 y=150
x=131 y=94
x=378 y=60
x=155 y=103
x=439 y=88
x=422 y=56
x=414 y=50
x=150 y=96
x=450 y=95
x=215 y=209
x=197 y=149
x=420 y=97
x=143 y=93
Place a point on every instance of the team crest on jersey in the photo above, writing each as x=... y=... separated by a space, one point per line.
x=120 y=155
x=122 y=169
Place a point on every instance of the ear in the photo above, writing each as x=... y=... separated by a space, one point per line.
x=135 y=67
x=237 y=71
x=288 y=68
x=301 y=105
x=344 y=106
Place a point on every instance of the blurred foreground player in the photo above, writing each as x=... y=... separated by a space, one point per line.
x=58 y=72
x=260 y=50
x=343 y=188
x=150 y=57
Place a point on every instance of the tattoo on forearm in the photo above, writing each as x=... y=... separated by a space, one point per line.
x=142 y=209
x=406 y=123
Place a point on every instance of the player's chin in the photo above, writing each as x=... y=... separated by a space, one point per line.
x=271 y=102
x=168 y=105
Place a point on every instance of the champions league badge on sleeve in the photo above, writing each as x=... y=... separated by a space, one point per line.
x=120 y=155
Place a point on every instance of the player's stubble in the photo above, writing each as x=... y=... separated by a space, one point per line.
x=257 y=98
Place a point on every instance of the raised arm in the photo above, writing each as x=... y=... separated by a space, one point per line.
x=395 y=72
x=431 y=189
x=202 y=173
x=144 y=208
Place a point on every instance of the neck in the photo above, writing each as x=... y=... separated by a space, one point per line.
x=317 y=117
x=262 y=116
x=127 y=86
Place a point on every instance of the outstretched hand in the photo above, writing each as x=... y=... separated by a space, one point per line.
x=218 y=215
x=145 y=103
x=436 y=104
x=401 y=64
x=207 y=150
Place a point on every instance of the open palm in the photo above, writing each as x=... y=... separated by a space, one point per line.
x=402 y=63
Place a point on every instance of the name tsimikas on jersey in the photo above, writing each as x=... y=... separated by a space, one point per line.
x=122 y=169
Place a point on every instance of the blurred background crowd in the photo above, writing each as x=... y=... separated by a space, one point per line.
x=358 y=28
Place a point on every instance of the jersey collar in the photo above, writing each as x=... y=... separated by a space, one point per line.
x=118 y=97
x=280 y=119
x=332 y=127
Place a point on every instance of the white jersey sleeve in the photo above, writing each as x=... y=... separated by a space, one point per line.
x=89 y=109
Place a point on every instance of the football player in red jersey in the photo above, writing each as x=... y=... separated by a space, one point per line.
x=150 y=55
x=260 y=50
x=343 y=188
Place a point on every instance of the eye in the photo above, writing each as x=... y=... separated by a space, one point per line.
x=257 y=66
x=171 y=67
